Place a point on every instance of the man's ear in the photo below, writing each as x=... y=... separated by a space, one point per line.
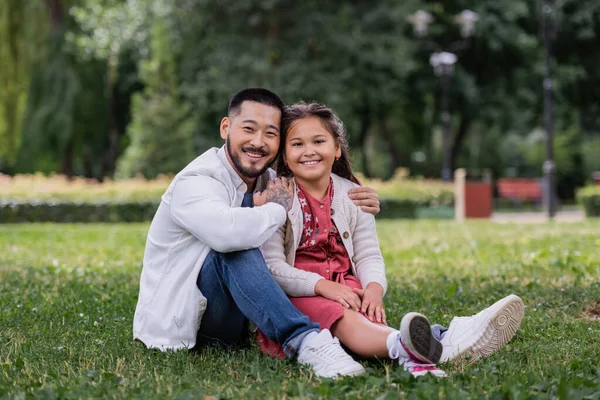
x=225 y=124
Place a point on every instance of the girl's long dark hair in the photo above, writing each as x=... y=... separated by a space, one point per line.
x=333 y=124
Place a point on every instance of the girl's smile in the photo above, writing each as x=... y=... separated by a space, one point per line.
x=310 y=151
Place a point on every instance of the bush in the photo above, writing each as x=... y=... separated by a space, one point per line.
x=17 y=211
x=589 y=198
x=36 y=198
x=64 y=211
x=396 y=208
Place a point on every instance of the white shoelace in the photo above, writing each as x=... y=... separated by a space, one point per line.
x=332 y=352
x=394 y=346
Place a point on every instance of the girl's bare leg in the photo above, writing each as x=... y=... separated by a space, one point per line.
x=362 y=336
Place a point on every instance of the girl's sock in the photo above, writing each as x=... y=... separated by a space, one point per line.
x=396 y=351
x=395 y=348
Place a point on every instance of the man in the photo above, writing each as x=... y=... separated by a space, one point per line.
x=204 y=279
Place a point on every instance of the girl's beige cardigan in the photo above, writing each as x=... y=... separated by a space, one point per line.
x=358 y=233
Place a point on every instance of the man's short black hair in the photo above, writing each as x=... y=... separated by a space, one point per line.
x=258 y=95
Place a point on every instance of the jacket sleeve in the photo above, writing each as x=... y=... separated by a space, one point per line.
x=294 y=282
x=200 y=204
x=370 y=266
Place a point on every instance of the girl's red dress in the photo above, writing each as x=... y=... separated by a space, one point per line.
x=322 y=251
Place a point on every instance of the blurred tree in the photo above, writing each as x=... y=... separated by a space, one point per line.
x=350 y=56
x=48 y=122
x=17 y=51
x=80 y=60
x=108 y=31
x=161 y=130
x=499 y=72
x=498 y=83
x=74 y=120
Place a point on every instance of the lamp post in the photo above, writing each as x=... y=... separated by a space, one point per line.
x=443 y=66
x=549 y=167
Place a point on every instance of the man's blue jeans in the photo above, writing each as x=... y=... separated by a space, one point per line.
x=239 y=287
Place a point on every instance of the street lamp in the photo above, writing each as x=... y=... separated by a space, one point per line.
x=443 y=66
x=549 y=167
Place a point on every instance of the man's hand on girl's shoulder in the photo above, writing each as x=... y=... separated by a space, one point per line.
x=279 y=190
x=365 y=198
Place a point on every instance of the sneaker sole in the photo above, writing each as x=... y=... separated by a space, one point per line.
x=340 y=374
x=416 y=331
x=501 y=329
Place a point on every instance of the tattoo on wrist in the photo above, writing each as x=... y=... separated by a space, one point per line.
x=280 y=196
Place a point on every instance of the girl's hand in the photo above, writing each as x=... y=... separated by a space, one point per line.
x=338 y=292
x=372 y=302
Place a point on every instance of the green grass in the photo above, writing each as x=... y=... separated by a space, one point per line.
x=68 y=292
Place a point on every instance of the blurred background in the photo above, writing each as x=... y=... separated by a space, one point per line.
x=120 y=88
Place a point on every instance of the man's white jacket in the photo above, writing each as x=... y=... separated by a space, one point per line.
x=199 y=211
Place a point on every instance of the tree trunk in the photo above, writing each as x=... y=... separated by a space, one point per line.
x=392 y=147
x=67 y=161
x=88 y=165
x=57 y=16
x=113 y=130
x=458 y=139
x=365 y=124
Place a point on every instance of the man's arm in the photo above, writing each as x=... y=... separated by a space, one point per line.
x=294 y=282
x=365 y=198
x=200 y=204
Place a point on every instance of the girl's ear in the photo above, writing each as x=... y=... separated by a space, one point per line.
x=338 y=149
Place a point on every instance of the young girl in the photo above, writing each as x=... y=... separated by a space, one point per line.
x=327 y=256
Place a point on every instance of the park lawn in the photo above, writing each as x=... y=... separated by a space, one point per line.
x=68 y=292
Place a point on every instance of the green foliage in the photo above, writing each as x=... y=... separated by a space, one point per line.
x=589 y=197
x=161 y=137
x=590 y=149
x=64 y=211
x=61 y=211
x=51 y=103
x=350 y=56
x=68 y=82
x=18 y=49
x=67 y=297
x=161 y=129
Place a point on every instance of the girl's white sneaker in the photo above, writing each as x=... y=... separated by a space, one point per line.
x=417 y=368
x=483 y=333
x=417 y=341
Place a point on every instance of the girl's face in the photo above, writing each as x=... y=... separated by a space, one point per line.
x=310 y=150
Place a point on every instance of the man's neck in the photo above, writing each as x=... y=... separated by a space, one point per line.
x=250 y=182
x=316 y=188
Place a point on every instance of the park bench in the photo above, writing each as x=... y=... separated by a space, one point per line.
x=520 y=189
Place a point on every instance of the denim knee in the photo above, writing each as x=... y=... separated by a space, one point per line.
x=250 y=256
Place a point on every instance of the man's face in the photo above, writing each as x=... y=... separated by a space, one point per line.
x=252 y=138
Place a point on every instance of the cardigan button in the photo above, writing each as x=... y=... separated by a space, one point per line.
x=332 y=211
x=346 y=235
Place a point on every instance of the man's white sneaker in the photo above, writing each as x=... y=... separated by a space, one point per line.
x=417 y=368
x=482 y=333
x=327 y=358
